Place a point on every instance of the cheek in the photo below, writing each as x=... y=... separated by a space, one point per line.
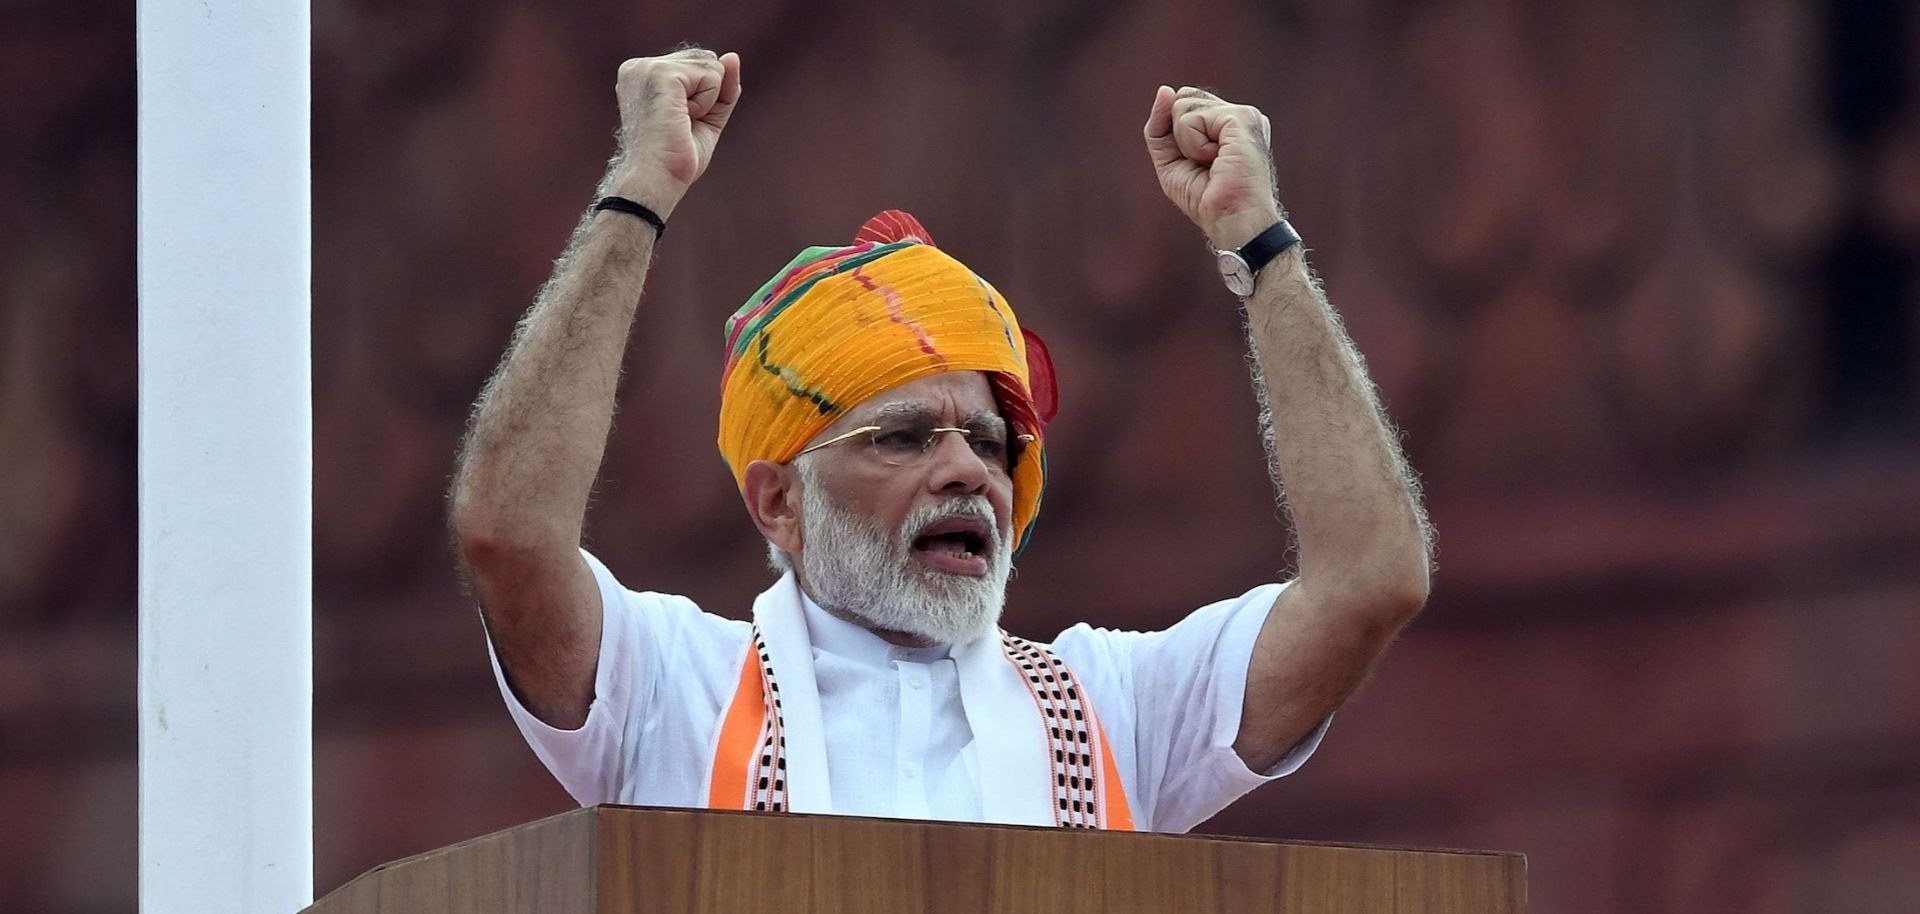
x=881 y=496
x=1001 y=495
x=891 y=498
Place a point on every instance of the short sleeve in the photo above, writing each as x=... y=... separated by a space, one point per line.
x=636 y=631
x=1180 y=692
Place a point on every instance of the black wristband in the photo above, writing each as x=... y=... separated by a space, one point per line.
x=1268 y=245
x=624 y=205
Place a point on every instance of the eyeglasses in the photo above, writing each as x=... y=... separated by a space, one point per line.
x=910 y=444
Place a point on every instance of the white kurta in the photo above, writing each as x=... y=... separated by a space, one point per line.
x=898 y=743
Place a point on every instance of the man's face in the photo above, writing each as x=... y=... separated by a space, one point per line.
x=911 y=542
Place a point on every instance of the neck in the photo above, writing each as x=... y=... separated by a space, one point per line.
x=895 y=638
x=891 y=636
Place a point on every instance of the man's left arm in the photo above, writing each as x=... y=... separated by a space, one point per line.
x=1362 y=535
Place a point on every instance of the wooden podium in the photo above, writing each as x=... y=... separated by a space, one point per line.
x=619 y=859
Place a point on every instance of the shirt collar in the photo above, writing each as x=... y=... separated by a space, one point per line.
x=837 y=636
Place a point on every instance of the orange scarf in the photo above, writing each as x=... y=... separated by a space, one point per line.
x=1039 y=740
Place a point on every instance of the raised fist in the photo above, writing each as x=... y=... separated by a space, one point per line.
x=672 y=110
x=1215 y=162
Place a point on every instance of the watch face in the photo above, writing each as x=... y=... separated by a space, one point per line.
x=1234 y=272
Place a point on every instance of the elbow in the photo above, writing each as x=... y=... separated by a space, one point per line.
x=481 y=533
x=471 y=521
x=493 y=539
x=477 y=534
x=1403 y=584
x=1388 y=594
x=1400 y=575
x=1403 y=596
x=490 y=556
x=479 y=544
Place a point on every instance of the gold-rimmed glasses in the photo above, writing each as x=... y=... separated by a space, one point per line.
x=907 y=444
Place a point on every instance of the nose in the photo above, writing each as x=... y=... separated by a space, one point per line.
x=953 y=467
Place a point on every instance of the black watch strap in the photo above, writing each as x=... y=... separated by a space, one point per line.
x=1268 y=245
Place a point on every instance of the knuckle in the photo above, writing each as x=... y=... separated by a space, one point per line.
x=642 y=71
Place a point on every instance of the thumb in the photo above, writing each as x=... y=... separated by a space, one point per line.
x=1159 y=129
x=729 y=94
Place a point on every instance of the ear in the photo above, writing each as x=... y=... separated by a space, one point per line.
x=774 y=503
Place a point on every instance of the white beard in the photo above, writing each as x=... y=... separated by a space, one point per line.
x=855 y=567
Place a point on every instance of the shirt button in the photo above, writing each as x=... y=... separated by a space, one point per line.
x=916 y=680
x=910 y=770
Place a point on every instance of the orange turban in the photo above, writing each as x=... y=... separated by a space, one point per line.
x=838 y=326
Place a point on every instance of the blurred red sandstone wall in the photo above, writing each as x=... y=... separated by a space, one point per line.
x=1637 y=279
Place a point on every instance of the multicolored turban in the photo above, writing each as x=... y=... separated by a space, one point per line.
x=840 y=325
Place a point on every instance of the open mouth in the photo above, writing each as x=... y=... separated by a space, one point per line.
x=956 y=545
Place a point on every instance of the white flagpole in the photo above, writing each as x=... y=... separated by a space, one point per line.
x=226 y=669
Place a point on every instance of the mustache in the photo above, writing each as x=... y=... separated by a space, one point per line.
x=961 y=507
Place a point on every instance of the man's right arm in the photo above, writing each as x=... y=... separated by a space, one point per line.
x=538 y=433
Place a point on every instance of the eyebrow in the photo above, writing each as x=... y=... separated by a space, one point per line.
x=914 y=409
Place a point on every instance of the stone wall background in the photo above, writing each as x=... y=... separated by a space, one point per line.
x=1638 y=280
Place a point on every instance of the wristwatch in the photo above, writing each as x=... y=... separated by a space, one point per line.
x=1238 y=268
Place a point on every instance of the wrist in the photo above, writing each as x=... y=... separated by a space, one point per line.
x=1288 y=265
x=1284 y=287
x=652 y=192
x=1242 y=268
x=1232 y=231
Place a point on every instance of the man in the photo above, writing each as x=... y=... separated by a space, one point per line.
x=884 y=416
